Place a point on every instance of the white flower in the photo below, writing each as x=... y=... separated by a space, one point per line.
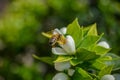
x=63 y=30
x=66 y=49
x=61 y=66
x=71 y=72
x=58 y=51
x=69 y=46
x=57 y=31
x=108 y=77
x=60 y=76
x=104 y=44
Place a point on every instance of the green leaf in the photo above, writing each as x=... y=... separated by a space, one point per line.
x=100 y=50
x=63 y=58
x=89 y=41
x=105 y=58
x=48 y=60
x=81 y=74
x=75 y=62
x=84 y=54
x=99 y=65
x=92 y=30
x=85 y=31
x=100 y=62
x=75 y=31
x=106 y=70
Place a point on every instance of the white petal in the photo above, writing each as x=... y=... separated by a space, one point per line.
x=63 y=30
x=104 y=44
x=108 y=77
x=61 y=66
x=60 y=76
x=57 y=31
x=71 y=72
x=69 y=46
x=58 y=51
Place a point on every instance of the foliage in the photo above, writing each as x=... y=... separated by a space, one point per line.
x=21 y=23
x=88 y=56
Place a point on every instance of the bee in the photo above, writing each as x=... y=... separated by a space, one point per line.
x=55 y=38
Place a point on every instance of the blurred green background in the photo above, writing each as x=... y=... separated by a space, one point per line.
x=21 y=24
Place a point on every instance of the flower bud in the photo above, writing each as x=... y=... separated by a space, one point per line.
x=71 y=72
x=60 y=76
x=61 y=66
x=108 y=77
x=104 y=44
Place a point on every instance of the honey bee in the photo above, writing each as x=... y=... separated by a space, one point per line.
x=55 y=38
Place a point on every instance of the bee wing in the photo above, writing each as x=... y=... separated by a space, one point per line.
x=47 y=34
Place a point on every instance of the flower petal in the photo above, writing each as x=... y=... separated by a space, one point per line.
x=108 y=77
x=104 y=44
x=69 y=46
x=63 y=30
x=60 y=76
x=58 y=51
x=71 y=72
x=61 y=66
x=57 y=31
